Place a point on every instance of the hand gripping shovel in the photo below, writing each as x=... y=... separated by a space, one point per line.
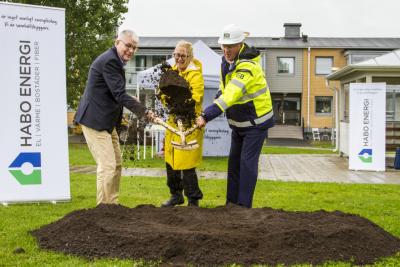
x=183 y=145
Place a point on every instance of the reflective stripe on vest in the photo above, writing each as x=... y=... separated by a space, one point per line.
x=253 y=95
x=242 y=124
x=222 y=103
x=243 y=98
x=245 y=60
x=240 y=85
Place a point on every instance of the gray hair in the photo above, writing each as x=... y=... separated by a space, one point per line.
x=129 y=33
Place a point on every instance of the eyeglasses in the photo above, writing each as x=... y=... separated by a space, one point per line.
x=129 y=46
x=177 y=56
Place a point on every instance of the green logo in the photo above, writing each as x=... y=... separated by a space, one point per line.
x=365 y=155
x=26 y=168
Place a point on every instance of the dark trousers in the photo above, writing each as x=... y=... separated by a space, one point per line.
x=183 y=180
x=246 y=145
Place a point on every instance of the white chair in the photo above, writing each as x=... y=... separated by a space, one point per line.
x=325 y=134
x=156 y=132
x=333 y=135
x=315 y=134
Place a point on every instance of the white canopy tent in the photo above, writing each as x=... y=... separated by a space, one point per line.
x=217 y=133
x=210 y=60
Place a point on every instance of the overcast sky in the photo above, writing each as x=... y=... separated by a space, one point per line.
x=319 y=18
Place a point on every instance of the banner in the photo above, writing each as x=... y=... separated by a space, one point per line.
x=34 y=140
x=367 y=126
x=217 y=135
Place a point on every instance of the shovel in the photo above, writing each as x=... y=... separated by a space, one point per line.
x=183 y=145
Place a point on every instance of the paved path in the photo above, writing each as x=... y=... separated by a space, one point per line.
x=320 y=168
x=299 y=168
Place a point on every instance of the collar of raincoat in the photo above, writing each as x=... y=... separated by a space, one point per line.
x=194 y=64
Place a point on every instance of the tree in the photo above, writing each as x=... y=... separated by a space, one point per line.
x=91 y=26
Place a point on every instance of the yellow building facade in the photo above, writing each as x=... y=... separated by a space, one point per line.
x=316 y=93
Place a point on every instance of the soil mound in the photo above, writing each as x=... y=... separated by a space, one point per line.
x=223 y=235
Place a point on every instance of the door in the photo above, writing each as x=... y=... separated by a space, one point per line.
x=287 y=109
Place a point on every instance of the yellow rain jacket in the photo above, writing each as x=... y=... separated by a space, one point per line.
x=187 y=159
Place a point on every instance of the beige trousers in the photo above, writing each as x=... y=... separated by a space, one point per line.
x=106 y=152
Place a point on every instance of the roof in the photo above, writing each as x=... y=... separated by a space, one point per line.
x=272 y=42
x=386 y=62
x=389 y=59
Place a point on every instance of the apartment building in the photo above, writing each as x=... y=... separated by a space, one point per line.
x=295 y=66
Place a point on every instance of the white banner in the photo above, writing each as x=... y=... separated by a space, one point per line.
x=217 y=135
x=367 y=126
x=34 y=140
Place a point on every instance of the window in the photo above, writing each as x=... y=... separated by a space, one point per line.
x=359 y=58
x=392 y=105
x=323 y=65
x=141 y=63
x=397 y=106
x=158 y=59
x=323 y=105
x=286 y=65
x=346 y=103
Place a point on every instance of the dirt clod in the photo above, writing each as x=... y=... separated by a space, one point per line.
x=19 y=250
x=177 y=95
x=218 y=236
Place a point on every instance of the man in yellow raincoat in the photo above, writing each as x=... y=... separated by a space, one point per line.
x=181 y=164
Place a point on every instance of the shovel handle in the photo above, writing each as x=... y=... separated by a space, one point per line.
x=172 y=129
x=191 y=130
x=166 y=125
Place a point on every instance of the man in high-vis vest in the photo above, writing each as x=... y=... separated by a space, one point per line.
x=245 y=97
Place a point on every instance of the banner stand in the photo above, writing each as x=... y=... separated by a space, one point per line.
x=34 y=163
x=367 y=126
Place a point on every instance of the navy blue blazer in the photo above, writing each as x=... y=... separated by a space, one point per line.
x=105 y=95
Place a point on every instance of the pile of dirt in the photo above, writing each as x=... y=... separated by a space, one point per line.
x=177 y=96
x=223 y=235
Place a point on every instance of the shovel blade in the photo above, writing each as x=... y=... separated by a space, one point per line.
x=189 y=146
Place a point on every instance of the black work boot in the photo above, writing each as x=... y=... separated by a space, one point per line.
x=194 y=202
x=176 y=199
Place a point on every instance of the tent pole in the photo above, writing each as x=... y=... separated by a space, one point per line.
x=137 y=121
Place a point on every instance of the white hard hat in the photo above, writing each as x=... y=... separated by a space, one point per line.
x=232 y=34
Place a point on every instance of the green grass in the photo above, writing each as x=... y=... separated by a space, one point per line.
x=207 y=164
x=292 y=150
x=323 y=144
x=379 y=203
x=80 y=155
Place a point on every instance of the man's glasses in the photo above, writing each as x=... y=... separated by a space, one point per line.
x=129 y=46
x=177 y=56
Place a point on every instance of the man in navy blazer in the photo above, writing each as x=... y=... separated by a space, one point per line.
x=100 y=111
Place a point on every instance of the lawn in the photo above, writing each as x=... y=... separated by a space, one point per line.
x=379 y=203
x=79 y=155
x=294 y=150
